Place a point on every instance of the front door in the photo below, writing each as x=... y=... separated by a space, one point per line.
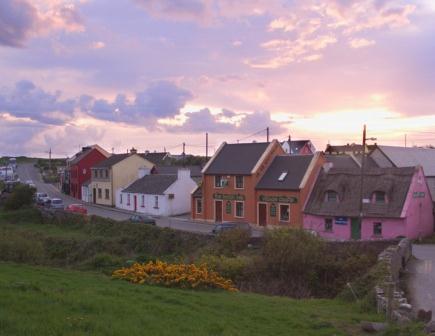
x=135 y=202
x=218 y=211
x=355 y=229
x=262 y=214
x=94 y=195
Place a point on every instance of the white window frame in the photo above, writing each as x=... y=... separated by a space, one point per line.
x=142 y=201
x=196 y=206
x=120 y=198
x=128 y=199
x=279 y=208
x=243 y=209
x=235 y=182
x=156 y=202
x=332 y=224
x=220 y=182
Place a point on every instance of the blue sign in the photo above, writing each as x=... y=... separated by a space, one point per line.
x=341 y=220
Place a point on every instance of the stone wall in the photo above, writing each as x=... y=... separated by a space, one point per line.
x=390 y=298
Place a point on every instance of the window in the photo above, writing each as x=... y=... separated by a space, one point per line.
x=239 y=182
x=95 y=173
x=239 y=209
x=84 y=171
x=199 y=206
x=120 y=199
x=107 y=193
x=284 y=212
x=377 y=229
x=100 y=193
x=142 y=201
x=156 y=202
x=379 y=197
x=107 y=173
x=218 y=181
x=328 y=224
x=282 y=176
x=331 y=196
x=128 y=199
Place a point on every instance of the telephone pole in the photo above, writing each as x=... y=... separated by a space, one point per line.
x=267 y=134
x=49 y=158
x=184 y=154
x=206 y=146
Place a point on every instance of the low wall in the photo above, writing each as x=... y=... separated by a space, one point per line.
x=390 y=298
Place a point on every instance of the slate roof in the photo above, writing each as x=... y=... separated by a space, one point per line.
x=395 y=182
x=157 y=158
x=85 y=151
x=237 y=159
x=341 y=161
x=296 y=145
x=153 y=184
x=411 y=156
x=111 y=161
x=198 y=192
x=344 y=148
x=296 y=166
x=195 y=171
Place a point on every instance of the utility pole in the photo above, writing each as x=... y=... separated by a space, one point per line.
x=184 y=154
x=405 y=140
x=206 y=146
x=267 y=134
x=49 y=158
x=289 y=144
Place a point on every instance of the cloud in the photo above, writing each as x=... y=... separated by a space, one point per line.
x=26 y=100
x=20 y=20
x=98 y=45
x=226 y=122
x=313 y=26
x=361 y=43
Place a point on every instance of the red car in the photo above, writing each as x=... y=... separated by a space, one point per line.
x=77 y=208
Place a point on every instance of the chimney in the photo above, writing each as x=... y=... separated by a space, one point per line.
x=143 y=171
x=183 y=173
x=133 y=150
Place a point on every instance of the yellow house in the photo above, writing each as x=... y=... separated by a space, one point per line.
x=114 y=173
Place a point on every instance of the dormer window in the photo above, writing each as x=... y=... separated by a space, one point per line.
x=379 y=197
x=331 y=196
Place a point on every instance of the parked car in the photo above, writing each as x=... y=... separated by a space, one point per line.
x=226 y=226
x=40 y=198
x=55 y=203
x=142 y=219
x=77 y=208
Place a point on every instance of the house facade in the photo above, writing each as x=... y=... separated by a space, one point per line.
x=282 y=191
x=298 y=147
x=114 y=174
x=396 y=203
x=79 y=168
x=227 y=191
x=158 y=194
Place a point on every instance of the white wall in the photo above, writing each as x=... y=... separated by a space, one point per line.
x=182 y=188
x=86 y=194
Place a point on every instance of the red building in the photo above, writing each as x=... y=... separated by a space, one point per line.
x=79 y=167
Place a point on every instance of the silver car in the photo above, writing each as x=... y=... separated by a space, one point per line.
x=56 y=203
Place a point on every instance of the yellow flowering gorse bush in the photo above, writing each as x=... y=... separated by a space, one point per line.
x=174 y=275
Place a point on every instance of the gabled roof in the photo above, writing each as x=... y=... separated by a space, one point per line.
x=198 y=192
x=411 y=156
x=342 y=149
x=341 y=161
x=292 y=169
x=195 y=171
x=236 y=159
x=84 y=152
x=297 y=145
x=157 y=157
x=395 y=182
x=153 y=184
x=111 y=161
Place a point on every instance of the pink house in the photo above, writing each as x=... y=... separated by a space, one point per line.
x=396 y=203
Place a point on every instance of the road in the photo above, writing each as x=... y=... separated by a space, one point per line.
x=422 y=279
x=28 y=172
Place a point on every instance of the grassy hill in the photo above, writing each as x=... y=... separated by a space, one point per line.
x=46 y=301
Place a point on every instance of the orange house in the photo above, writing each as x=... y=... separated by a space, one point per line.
x=227 y=191
x=283 y=190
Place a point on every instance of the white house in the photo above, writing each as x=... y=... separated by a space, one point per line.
x=158 y=194
x=86 y=191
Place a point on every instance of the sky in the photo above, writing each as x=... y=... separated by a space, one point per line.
x=153 y=74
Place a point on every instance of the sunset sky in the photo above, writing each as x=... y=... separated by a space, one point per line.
x=156 y=73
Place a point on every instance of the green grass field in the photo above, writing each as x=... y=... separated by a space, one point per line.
x=46 y=301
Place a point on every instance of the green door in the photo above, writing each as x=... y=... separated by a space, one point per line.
x=355 y=229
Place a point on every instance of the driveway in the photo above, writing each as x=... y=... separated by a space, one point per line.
x=422 y=279
x=29 y=172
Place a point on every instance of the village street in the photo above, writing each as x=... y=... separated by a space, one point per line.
x=422 y=279
x=28 y=172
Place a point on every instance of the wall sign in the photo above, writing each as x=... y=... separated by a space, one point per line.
x=278 y=199
x=341 y=220
x=418 y=194
x=229 y=197
x=273 y=210
x=228 y=207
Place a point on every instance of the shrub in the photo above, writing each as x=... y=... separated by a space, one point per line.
x=229 y=267
x=232 y=241
x=21 y=196
x=174 y=275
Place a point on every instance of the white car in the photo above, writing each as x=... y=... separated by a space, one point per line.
x=56 y=203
